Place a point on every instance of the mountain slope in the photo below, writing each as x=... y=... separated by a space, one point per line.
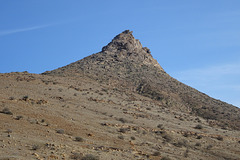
x=117 y=104
x=125 y=64
x=52 y=117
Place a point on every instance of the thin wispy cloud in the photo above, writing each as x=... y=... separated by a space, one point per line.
x=212 y=72
x=220 y=81
x=19 y=30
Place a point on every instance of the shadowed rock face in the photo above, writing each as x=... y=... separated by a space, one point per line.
x=125 y=64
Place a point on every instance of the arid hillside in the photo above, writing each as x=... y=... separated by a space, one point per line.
x=125 y=64
x=118 y=104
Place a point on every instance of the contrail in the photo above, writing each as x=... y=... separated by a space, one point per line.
x=13 y=31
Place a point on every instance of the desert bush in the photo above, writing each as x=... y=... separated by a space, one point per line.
x=122 y=120
x=120 y=137
x=35 y=147
x=186 y=153
x=160 y=126
x=6 y=111
x=77 y=156
x=60 y=131
x=133 y=138
x=156 y=153
x=79 y=139
x=209 y=147
x=167 y=137
x=199 y=126
x=8 y=131
x=123 y=130
x=25 y=98
x=198 y=144
x=19 y=117
x=90 y=157
x=181 y=143
x=11 y=98
x=185 y=134
x=165 y=158
x=220 y=138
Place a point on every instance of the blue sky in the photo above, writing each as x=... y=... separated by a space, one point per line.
x=195 y=41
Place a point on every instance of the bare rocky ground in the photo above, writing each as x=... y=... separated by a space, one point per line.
x=50 y=117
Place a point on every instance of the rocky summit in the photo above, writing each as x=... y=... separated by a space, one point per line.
x=125 y=64
x=118 y=104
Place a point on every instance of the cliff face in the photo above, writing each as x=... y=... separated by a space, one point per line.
x=125 y=64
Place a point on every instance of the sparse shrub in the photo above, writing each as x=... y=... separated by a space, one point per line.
x=186 y=153
x=199 y=126
x=60 y=131
x=220 y=138
x=167 y=137
x=133 y=138
x=160 y=132
x=90 y=157
x=79 y=139
x=209 y=146
x=121 y=137
x=149 y=109
x=156 y=153
x=19 y=117
x=35 y=147
x=186 y=134
x=198 y=144
x=11 y=98
x=75 y=94
x=6 y=111
x=122 y=120
x=77 y=156
x=165 y=158
x=199 y=137
x=9 y=131
x=123 y=130
x=25 y=98
x=181 y=143
x=160 y=126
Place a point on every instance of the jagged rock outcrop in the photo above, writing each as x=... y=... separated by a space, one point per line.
x=124 y=63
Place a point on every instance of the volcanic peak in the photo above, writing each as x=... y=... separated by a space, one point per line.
x=123 y=41
x=125 y=46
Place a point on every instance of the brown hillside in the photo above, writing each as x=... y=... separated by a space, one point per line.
x=125 y=64
x=118 y=104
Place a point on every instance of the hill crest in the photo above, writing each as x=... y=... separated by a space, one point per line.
x=126 y=65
